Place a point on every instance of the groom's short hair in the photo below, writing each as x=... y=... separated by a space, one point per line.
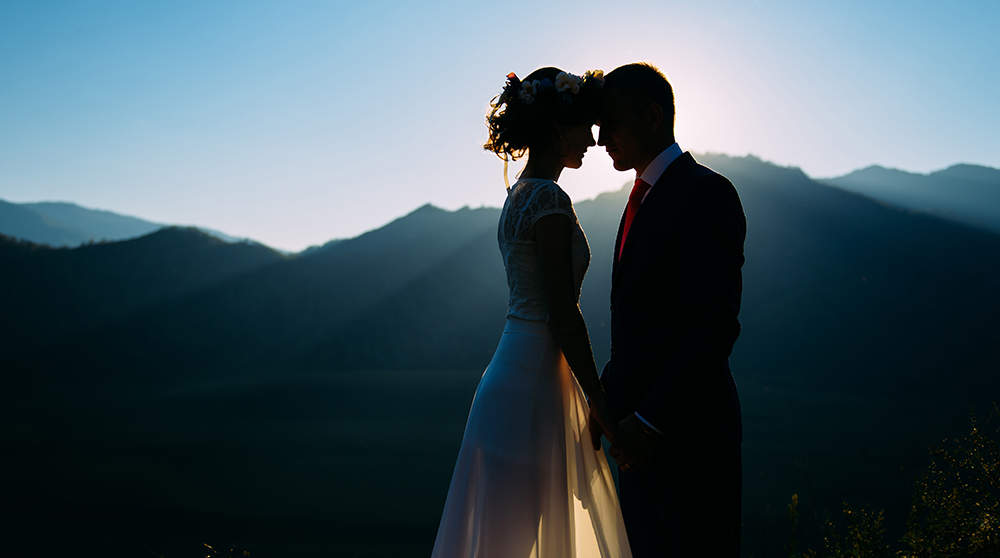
x=644 y=81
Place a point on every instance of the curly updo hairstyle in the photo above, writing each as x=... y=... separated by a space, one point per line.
x=525 y=113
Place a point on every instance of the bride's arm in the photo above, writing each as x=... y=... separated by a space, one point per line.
x=553 y=237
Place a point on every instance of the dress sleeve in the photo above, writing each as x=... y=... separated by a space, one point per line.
x=549 y=200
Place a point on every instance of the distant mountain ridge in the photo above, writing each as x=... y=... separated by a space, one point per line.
x=65 y=224
x=966 y=193
x=963 y=192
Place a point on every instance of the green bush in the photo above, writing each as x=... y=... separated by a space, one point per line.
x=956 y=506
x=955 y=511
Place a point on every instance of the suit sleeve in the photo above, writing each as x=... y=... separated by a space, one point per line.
x=704 y=259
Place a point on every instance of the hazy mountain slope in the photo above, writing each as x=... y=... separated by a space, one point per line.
x=93 y=224
x=839 y=288
x=18 y=221
x=63 y=224
x=966 y=193
x=446 y=317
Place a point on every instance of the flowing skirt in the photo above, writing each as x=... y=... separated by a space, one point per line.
x=527 y=482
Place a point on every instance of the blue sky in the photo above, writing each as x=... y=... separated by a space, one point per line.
x=297 y=122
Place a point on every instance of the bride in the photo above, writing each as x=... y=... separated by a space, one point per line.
x=528 y=482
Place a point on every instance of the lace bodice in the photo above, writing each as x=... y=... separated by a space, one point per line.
x=529 y=200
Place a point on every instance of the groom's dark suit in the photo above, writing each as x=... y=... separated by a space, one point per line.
x=675 y=297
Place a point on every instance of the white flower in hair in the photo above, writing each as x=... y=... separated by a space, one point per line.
x=528 y=91
x=567 y=82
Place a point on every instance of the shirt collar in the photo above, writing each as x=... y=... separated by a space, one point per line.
x=656 y=167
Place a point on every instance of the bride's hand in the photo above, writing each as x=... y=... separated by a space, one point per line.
x=600 y=417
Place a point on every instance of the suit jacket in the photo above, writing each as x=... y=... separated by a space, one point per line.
x=675 y=298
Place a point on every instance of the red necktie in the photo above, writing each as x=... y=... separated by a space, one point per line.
x=634 y=201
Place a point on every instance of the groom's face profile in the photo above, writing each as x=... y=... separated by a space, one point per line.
x=621 y=131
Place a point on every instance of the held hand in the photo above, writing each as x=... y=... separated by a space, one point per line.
x=634 y=448
x=601 y=421
x=623 y=460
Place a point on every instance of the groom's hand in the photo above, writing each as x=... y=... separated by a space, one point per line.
x=633 y=449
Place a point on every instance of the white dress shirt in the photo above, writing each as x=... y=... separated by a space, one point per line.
x=653 y=171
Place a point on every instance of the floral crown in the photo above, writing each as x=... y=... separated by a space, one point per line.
x=564 y=87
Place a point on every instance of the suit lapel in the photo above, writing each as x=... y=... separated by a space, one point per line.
x=676 y=170
x=614 y=255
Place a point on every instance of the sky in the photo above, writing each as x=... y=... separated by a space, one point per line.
x=294 y=123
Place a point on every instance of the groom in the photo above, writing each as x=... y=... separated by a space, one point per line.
x=675 y=296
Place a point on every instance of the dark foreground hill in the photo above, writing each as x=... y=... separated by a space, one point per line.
x=50 y=294
x=314 y=404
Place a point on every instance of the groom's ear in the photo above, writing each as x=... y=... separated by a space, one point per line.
x=654 y=116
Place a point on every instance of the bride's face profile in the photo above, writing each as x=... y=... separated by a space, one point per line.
x=575 y=140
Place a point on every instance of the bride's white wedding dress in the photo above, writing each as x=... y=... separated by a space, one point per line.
x=528 y=483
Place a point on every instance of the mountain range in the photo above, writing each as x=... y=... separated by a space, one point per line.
x=64 y=224
x=228 y=390
x=965 y=193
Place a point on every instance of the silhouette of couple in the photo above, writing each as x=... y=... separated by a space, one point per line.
x=531 y=478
